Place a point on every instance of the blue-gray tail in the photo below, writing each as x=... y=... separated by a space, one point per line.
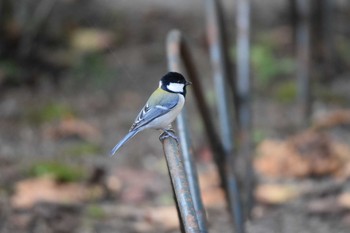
x=123 y=141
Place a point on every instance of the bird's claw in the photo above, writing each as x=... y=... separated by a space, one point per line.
x=168 y=133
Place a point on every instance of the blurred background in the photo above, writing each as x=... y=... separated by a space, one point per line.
x=75 y=73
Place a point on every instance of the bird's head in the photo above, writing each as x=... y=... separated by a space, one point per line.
x=174 y=82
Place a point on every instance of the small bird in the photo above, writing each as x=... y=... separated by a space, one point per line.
x=161 y=109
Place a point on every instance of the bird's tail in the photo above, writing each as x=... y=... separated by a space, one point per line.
x=123 y=141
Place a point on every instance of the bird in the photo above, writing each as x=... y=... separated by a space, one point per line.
x=161 y=109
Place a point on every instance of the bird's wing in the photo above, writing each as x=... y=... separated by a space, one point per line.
x=157 y=105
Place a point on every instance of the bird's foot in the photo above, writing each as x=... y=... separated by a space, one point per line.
x=168 y=133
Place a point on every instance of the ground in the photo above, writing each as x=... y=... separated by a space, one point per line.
x=55 y=136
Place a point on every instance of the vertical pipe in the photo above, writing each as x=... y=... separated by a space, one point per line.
x=221 y=79
x=244 y=95
x=191 y=171
x=328 y=37
x=219 y=65
x=174 y=56
x=176 y=44
x=180 y=185
x=243 y=51
x=303 y=60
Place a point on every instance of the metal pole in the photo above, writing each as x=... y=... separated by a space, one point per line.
x=218 y=55
x=174 y=64
x=191 y=171
x=180 y=185
x=328 y=37
x=244 y=95
x=303 y=60
x=176 y=44
x=220 y=74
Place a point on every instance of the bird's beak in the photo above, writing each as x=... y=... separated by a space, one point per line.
x=188 y=83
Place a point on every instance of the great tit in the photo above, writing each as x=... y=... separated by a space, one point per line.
x=161 y=109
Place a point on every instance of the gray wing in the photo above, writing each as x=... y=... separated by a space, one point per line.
x=152 y=111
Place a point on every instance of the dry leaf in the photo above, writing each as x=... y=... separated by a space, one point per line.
x=344 y=200
x=336 y=118
x=143 y=226
x=212 y=193
x=343 y=152
x=114 y=184
x=306 y=154
x=45 y=189
x=318 y=150
x=70 y=128
x=275 y=159
x=165 y=216
x=275 y=194
x=214 y=197
x=91 y=40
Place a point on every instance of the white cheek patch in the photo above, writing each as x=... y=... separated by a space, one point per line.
x=176 y=87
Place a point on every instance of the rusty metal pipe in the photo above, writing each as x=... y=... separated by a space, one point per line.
x=176 y=45
x=220 y=66
x=244 y=95
x=174 y=56
x=180 y=185
x=222 y=77
x=303 y=60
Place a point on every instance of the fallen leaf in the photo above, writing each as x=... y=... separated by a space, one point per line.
x=318 y=150
x=114 y=184
x=275 y=159
x=343 y=151
x=166 y=216
x=211 y=191
x=72 y=128
x=143 y=226
x=309 y=153
x=213 y=198
x=91 y=40
x=275 y=194
x=344 y=200
x=344 y=173
x=335 y=118
x=45 y=189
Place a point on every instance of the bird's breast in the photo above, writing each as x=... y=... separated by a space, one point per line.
x=165 y=120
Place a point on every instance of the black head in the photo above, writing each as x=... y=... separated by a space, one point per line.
x=174 y=82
